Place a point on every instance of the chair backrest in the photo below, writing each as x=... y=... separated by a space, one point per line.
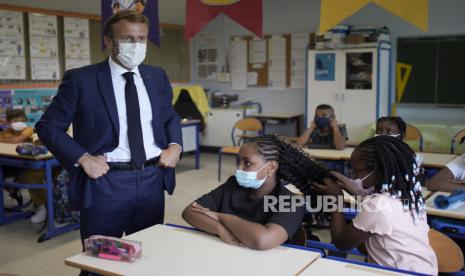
x=448 y=253
x=413 y=133
x=247 y=124
x=300 y=237
x=457 y=139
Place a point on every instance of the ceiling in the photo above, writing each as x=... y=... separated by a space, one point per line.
x=171 y=11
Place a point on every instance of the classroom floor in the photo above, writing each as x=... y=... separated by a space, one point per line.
x=20 y=253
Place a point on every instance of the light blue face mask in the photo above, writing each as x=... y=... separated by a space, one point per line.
x=249 y=179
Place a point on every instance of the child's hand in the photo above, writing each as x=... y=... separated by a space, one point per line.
x=205 y=211
x=329 y=188
x=333 y=122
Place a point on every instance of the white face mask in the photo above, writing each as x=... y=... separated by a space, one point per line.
x=18 y=126
x=392 y=135
x=131 y=55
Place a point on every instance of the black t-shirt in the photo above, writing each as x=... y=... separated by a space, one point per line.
x=230 y=198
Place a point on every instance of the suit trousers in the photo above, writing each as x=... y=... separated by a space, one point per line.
x=124 y=202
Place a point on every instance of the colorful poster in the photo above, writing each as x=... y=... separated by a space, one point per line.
x=5 y=104
x=147 y=7
x=359 y=70
x=325 y=67
x=33 y=101
x=12 y=60
x=44 y=47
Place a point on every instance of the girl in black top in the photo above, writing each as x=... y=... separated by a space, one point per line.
x=237 y=211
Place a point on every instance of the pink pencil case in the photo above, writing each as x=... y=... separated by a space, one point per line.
x=113 y=248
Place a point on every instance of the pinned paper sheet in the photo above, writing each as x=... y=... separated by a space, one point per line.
x=335 y=11
x=252 y=78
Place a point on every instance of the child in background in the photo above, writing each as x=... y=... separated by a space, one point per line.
x=235 y=210
x=449 y=178
x=19 y=132
x=324 y=131
x=392 y=221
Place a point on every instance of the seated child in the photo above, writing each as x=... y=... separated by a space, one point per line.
x=236 y=211
x=19 y=132
x=390 y=126
x=324 y=131
x=449 y=178
x=392 y=221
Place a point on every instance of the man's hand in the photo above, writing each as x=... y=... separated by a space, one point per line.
x=170 y=156
x=94 y=166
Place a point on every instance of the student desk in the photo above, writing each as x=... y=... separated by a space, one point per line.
x=281 y=117
x=455 y=213
x=430 y=160
x=9 y=157
x=190 y=139
x=329 y=266
x=168 y=250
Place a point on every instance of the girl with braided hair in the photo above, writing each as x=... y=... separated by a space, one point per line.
x=392 y=221
x=236 y=210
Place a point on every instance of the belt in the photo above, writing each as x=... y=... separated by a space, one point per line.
x=128 y=166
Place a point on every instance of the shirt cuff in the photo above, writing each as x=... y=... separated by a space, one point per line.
x=175 y=144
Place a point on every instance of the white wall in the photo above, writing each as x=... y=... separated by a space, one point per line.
x=446 y=17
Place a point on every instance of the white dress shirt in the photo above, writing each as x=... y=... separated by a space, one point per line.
x=122 y=153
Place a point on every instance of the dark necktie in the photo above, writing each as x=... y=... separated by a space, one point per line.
x=136 y=140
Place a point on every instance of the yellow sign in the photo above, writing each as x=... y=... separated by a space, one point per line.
x=334 y=12
x=402 y=78
x=219 y=2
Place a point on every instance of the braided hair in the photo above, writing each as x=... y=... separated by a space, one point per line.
x=395 y=168
x=401 y=125
x=295 y=166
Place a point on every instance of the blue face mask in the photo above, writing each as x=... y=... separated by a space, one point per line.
x=321 y=122
x=249 y=179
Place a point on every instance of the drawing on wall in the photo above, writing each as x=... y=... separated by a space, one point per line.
x=359 y=70
x=324 y=67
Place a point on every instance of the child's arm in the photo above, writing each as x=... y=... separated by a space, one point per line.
x=345 y=236
x=304 y=138
x=251 y=234
x=443 y=181
x=15 y=140
x=254 y=235
x=338 y=139
x=208 y=224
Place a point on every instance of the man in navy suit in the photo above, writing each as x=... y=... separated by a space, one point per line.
x=126 y=136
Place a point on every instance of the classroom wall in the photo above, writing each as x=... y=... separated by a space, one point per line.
x=447 y=17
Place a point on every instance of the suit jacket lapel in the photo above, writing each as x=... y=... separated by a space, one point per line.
x=152 y=92
x=106 y=89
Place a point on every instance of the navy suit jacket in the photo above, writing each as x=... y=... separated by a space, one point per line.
x=86 y=99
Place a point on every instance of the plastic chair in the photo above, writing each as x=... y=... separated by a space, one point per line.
x=458 y=138
x=246 y=124
x=413 y=133
x=448 y=253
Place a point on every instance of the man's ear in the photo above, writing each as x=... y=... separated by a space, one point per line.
x=108 y=42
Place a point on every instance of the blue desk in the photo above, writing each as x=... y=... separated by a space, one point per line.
x=191 y=139
x=9 y=157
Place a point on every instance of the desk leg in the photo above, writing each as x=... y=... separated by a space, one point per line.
x=197 y=147
x=53 y=231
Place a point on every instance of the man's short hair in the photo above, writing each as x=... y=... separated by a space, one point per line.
x=128 y=15
x=14 y=113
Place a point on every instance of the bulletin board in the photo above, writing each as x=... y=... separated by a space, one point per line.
x=262 y=71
